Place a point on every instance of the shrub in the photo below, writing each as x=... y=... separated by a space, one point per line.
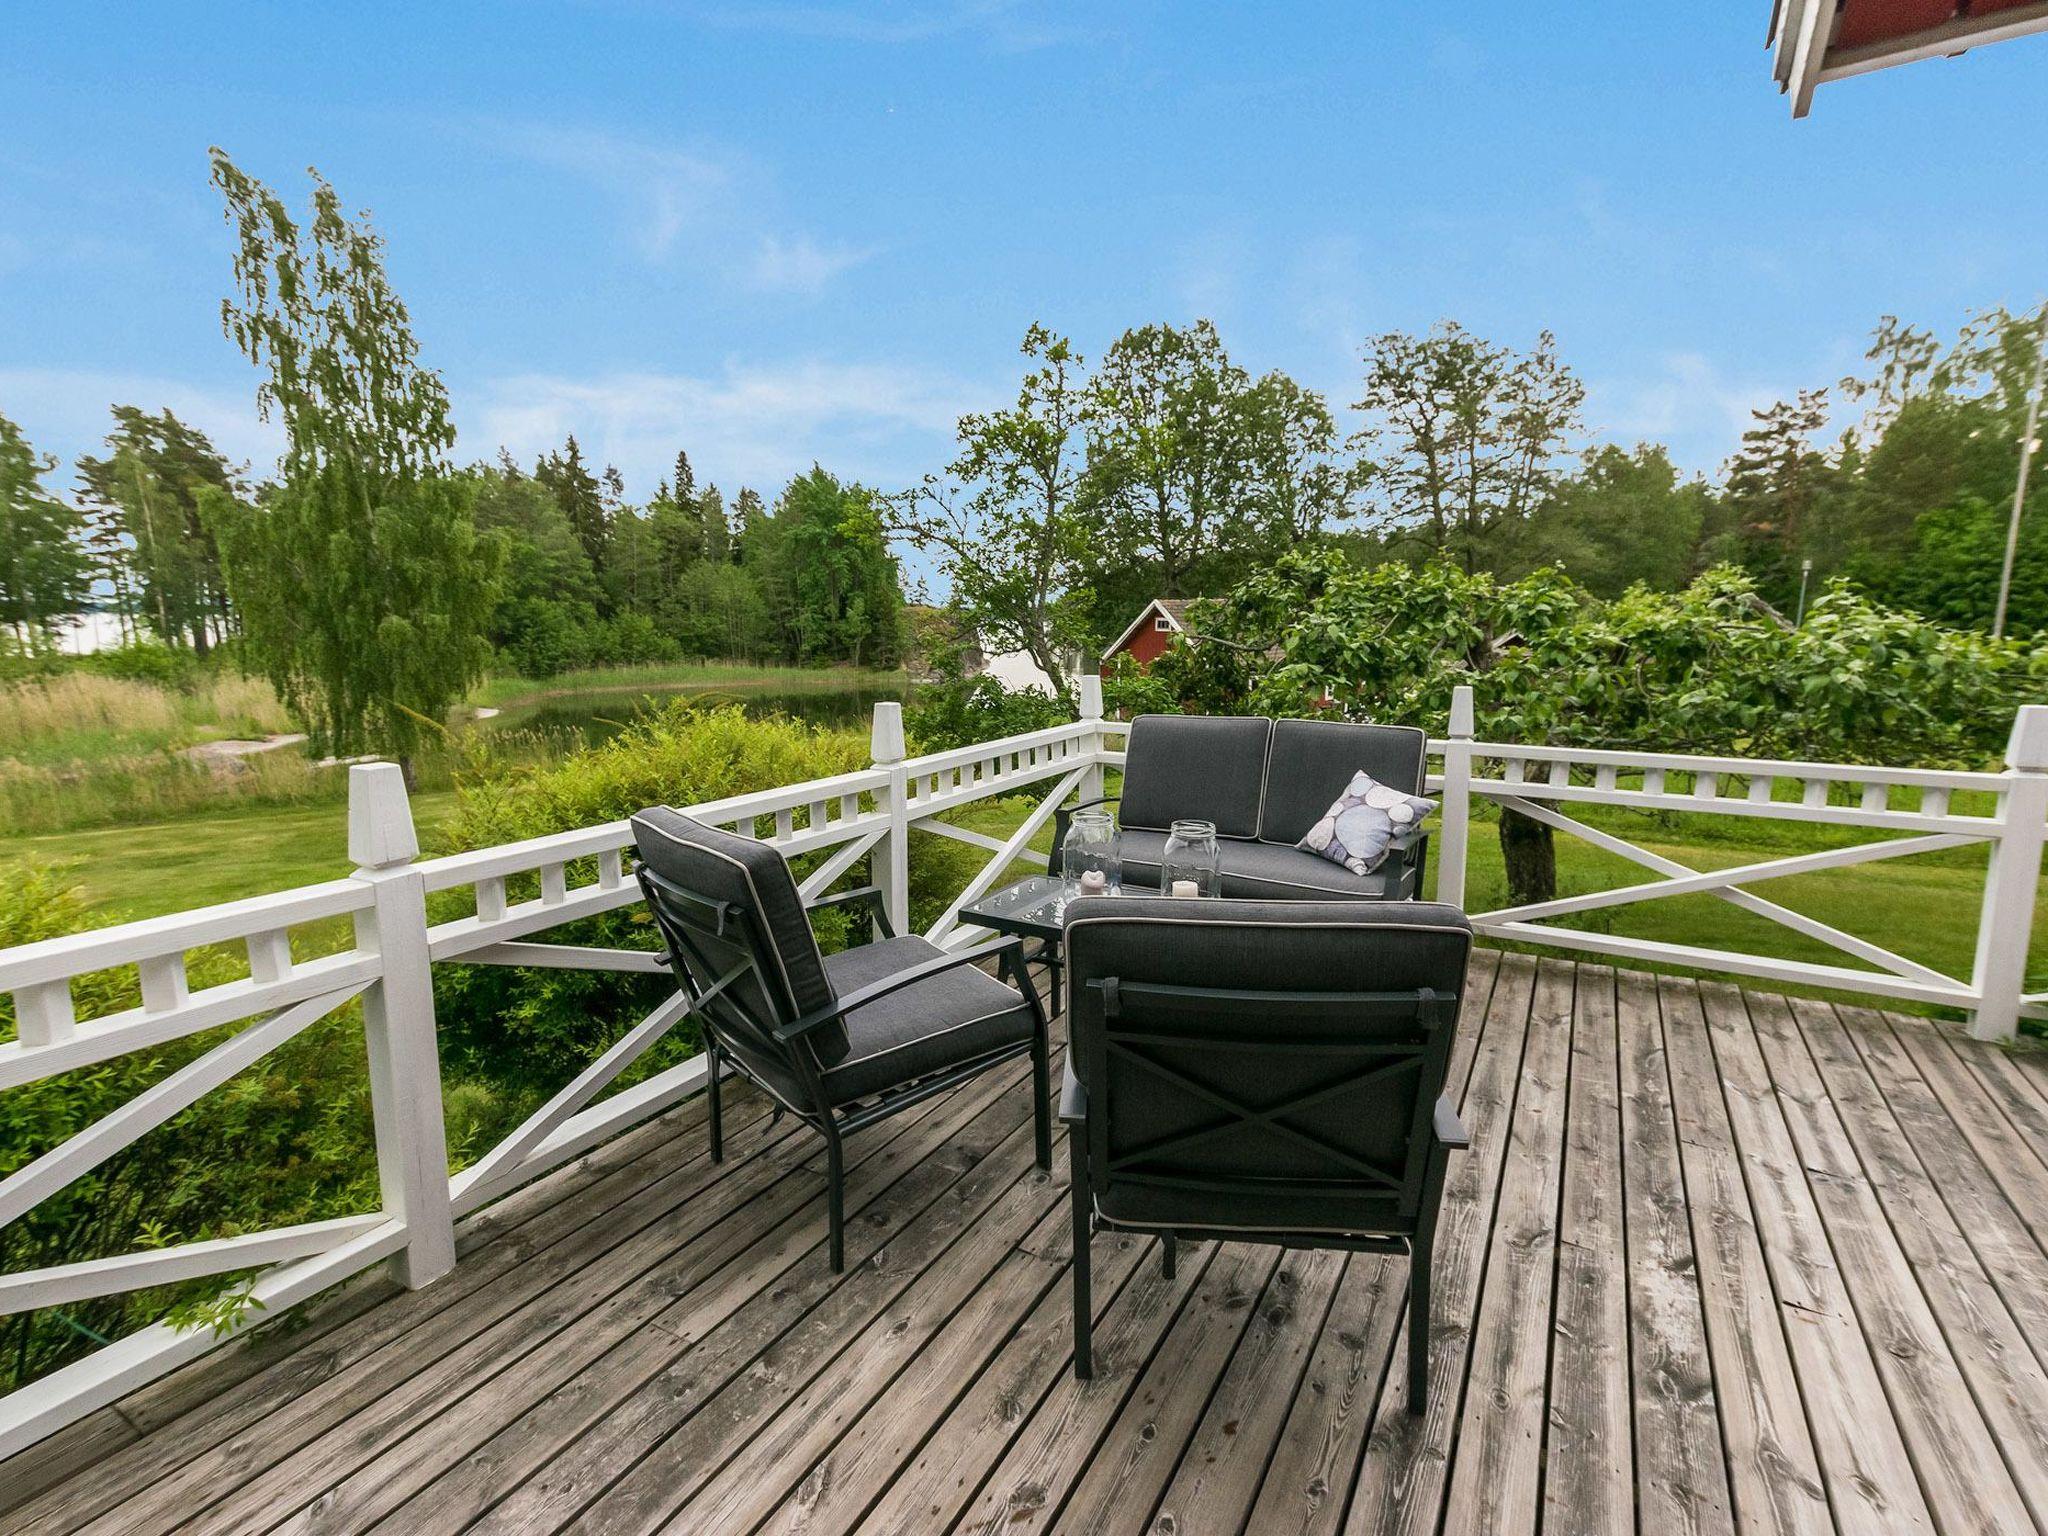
x=956 y=711
x=144 y=661
x=532 y=1029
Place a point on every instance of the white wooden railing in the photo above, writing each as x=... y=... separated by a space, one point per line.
x=870 y=815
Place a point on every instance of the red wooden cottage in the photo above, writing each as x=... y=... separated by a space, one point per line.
x=1151 y=632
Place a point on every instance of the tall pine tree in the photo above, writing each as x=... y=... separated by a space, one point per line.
x=578 y=494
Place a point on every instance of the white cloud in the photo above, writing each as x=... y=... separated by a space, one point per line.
x=66 y=412
x=801 y=265
x=698 y=202
x=667 y=194
x=1690 y=404
x=748 y=425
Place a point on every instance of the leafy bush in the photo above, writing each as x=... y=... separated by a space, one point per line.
x=1708 y=669
x=145 y=661
x=956 y=711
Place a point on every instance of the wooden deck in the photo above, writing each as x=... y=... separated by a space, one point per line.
x=1716 y=1262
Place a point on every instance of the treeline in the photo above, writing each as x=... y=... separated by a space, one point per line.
x=582 y=577
x=1169 y=470
x=371 y=580
x=590 y=580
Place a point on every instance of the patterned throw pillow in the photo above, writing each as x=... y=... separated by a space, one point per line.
x=1356 y=830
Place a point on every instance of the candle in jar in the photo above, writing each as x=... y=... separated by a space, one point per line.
x=1184 y=888
x=1093 y=882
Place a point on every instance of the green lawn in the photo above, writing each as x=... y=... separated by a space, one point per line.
x=194 y=861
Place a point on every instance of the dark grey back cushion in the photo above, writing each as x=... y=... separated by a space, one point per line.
x=721 y=866
x=1312 y=761
x=1206 y=767
x=1155 y=1155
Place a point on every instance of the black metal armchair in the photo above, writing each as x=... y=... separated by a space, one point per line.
x=1263 y=1072
x=840 y=1041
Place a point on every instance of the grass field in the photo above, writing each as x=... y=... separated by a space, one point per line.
x=80 y=751
x=508 y=692
x=194 y=861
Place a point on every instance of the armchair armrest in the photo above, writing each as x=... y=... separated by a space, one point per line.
x=1073 y=1097
x=861 y=997
x=1409 y=838
x=869 y=896
x=1063 y=817
x=1449 y=1129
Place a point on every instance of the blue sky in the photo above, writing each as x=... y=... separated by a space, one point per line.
x=774 y=233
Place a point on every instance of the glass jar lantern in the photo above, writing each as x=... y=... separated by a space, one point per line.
x=1091 y=858
x=1190 y=865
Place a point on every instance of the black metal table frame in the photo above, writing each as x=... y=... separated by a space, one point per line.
x=1047 y=934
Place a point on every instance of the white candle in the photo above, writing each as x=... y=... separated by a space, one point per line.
x=1093 y=882
x=1184 y=888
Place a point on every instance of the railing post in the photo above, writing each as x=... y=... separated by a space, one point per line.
x=892 y=854
x=2007 y=923
x=1455 y=830
x=398 y=1023
x=1091 y=716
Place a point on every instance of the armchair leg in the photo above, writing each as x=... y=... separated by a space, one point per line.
x=835 y=1196
x=1421 y=1255
x=1418 y=1330
x=715 y=1067
x=1169 y=1255
x=1084 y=1298
x=1041 y=1060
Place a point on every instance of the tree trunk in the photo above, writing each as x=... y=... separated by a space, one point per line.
x=1530 y=855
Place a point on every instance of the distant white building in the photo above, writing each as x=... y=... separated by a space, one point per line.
x=1014 y=670
x=80 y=634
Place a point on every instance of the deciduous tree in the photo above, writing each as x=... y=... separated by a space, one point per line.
x=1006 y=523
x=364 y=586
x=1463 y=438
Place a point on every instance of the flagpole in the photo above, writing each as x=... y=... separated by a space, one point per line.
x=2028 y=443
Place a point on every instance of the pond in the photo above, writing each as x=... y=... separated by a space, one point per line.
x=599 y=714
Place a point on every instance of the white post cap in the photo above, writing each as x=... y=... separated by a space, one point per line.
x=887 y=734
x=380 y=830
x=1461 y=710
x=1091 y=695
x=2028 y=748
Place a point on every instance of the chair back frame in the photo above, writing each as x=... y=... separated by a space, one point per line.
x=1255 y=1024
x=686 y=920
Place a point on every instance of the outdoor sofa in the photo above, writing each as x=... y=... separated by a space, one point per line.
x=1264 y=783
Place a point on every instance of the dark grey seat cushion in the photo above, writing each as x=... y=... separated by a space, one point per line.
x=1253 y=870
x=929 y=1026
x=1312 y=761
x=725 y=867
x=1208 y=767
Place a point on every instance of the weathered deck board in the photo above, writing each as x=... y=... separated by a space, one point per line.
x=1774 y=1472
x=1588 y=1483
x=1716 y=1262
x=1681 y=1466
